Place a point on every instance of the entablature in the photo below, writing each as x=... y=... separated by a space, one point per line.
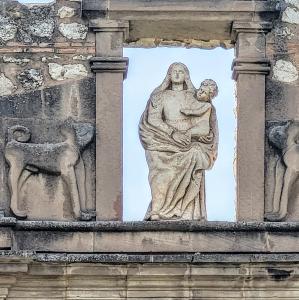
x=175 y=19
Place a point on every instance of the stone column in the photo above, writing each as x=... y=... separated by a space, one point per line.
x=110 y=67
x=249 y=70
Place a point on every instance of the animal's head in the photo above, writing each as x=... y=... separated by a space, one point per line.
x=282 y=136
x=82 y=132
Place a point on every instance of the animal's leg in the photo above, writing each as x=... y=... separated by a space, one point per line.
x=69 y=176
x=289 y=178
x=15 y=172
x=81 y=181
x=279 y=175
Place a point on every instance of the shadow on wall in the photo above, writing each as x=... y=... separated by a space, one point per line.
x=147 y=69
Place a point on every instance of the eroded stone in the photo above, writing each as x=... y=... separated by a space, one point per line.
x=285 y=71
x=61 y=158
x=8 y=29
x=293 y=2
x=15 y=60
x=82 y=57
x=73 y=31
x=49 y=58
x=6 y=85
x=66 y=12
x=42 y=28
x=284 y=138
x=62 y=72
x=290 y=15
x=31 y=79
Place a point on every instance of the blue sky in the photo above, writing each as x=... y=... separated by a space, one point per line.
x=146 y=71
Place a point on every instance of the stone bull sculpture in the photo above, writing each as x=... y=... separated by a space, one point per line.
x=285 y=138
x=63 y=159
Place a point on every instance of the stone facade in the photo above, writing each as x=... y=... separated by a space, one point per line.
x=45 y=79
x=281 y=94
x=61 y=82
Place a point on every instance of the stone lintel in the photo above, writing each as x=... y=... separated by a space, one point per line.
x=180 y=20
x=104 y=25
x=132 y=7
x=250 y=66
x=110 y=65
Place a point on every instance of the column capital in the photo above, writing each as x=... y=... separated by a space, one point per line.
x=250 y=27
x=110 y=65
x=259 y=66
x=105 y=25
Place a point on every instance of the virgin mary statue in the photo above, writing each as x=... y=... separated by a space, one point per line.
x=176 y=156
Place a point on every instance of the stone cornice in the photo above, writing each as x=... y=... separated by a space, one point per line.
x=103 y=25
x=250 y=27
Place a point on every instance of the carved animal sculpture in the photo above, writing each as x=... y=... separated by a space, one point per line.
x=286 y=139
x=62 y=159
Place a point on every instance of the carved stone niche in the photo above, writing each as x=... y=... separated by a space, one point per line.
x=242 y=24
x=48 y=170
x=283 y=172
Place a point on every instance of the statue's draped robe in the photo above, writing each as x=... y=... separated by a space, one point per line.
x=176 y=172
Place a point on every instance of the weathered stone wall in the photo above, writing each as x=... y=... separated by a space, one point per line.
x=161 y=279
x=282 y=91
x=45 y=79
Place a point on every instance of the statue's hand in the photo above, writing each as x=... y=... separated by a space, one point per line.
x=186 y=111
x=206 y=139
x=181 y=138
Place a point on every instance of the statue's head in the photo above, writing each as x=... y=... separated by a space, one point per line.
x=208 y=90
x=177 y=73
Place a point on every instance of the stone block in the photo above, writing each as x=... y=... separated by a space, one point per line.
x=5 y=238
x=6 y=86
x=27 y=105
x=75 y=99
x=73 y=31
x=54 y=241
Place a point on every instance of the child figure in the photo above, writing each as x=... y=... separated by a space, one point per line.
x=201 y=111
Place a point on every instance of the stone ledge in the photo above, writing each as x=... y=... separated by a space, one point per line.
x=149 y=237
x=140 y=226
x=123 y=258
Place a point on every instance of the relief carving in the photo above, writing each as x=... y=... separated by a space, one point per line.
x=179 y=133
x=285 y=140
x=61 y=159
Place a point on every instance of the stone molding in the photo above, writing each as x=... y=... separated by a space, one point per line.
x=250 y=27
x=110 y=65
x=260 y=66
